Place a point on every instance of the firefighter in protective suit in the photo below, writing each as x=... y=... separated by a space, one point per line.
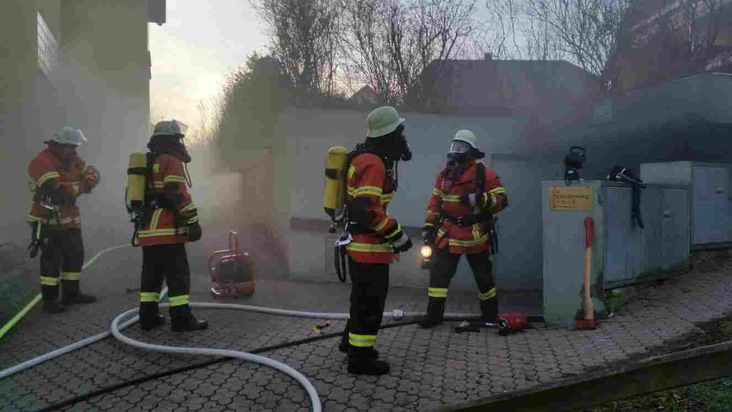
x=170 y=219
x=464 y=199
x=58 y=176
x=377 y=238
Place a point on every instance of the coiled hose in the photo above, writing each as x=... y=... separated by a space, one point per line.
x=302 y=380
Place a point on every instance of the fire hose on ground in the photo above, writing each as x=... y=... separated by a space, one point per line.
x=129 y=317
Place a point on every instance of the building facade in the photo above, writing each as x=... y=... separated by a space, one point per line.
x=83 y=63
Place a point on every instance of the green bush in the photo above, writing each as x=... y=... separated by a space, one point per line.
x=716 y=395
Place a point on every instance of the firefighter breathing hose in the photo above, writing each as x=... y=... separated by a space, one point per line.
x=129 y=317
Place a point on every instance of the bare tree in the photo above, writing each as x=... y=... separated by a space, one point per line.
x=388 y=44
x=516 y=34
x=664 y=44
x=202 y=132
x=304 y=40
x=588 y=30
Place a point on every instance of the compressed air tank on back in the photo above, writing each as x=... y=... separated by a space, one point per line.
x=136 y=176
x=334 y=181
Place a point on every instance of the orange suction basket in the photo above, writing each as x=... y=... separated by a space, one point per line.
x=232 y=272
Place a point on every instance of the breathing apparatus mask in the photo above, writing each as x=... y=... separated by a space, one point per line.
x=461 y=152
x=406 y=154
x=400 y=146
x=66 y=152
x=172 y=144
x=393 y=146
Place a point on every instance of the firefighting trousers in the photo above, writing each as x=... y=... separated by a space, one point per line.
x=62 y=257
x=444 y=265
x=369 y=287
x=168 y=263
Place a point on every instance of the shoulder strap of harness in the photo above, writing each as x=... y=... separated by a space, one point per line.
x=479 y=178
x=360 y=149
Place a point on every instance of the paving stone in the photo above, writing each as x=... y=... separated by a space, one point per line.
x=430 y=368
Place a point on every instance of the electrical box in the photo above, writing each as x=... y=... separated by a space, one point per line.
x=710 y=197
x=622 y=252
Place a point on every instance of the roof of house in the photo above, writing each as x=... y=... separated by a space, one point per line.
x=366 y=92
x=507 y=86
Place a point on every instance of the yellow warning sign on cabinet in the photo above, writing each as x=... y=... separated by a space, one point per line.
x=570 y=198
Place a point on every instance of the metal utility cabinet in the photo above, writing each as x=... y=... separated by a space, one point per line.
x=622 y=253
x=709 y=189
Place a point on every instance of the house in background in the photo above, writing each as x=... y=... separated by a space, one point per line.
x=364 y=96
x=505 y=87
x=84 y=63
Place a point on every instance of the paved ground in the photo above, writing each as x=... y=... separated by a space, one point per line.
x=430 y=368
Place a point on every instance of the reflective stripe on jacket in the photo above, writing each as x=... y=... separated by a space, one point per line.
x=165 y=226
x=448 y=197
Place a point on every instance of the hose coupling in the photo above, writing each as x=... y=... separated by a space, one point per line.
x=397 y=314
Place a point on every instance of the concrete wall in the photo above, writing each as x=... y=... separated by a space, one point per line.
x=312 y=132
x=19 y=116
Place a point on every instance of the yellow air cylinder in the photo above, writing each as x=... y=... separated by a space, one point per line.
x=334 y=199
x=136 y=179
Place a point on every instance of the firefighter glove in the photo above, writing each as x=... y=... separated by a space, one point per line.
x=471 y=199
x=401 y=242
x=91 y=176
x=194 y=232
x=428 y=234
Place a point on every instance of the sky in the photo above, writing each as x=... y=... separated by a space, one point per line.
x=191 y=52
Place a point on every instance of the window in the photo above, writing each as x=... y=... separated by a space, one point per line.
x=47 y=46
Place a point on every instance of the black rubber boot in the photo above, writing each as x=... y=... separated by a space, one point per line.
x=70 y=293
x=50 y=299
x=53 y=307
x=361 y=362
x=344 y=345
x=435 y=313
x=149 y=316
x=182 y=320
x=489 y=312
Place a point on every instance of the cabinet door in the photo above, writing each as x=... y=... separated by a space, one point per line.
x=652 y=234
x=729 y=207
x=675 y=227
x=710 y=205
x=622 y=241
